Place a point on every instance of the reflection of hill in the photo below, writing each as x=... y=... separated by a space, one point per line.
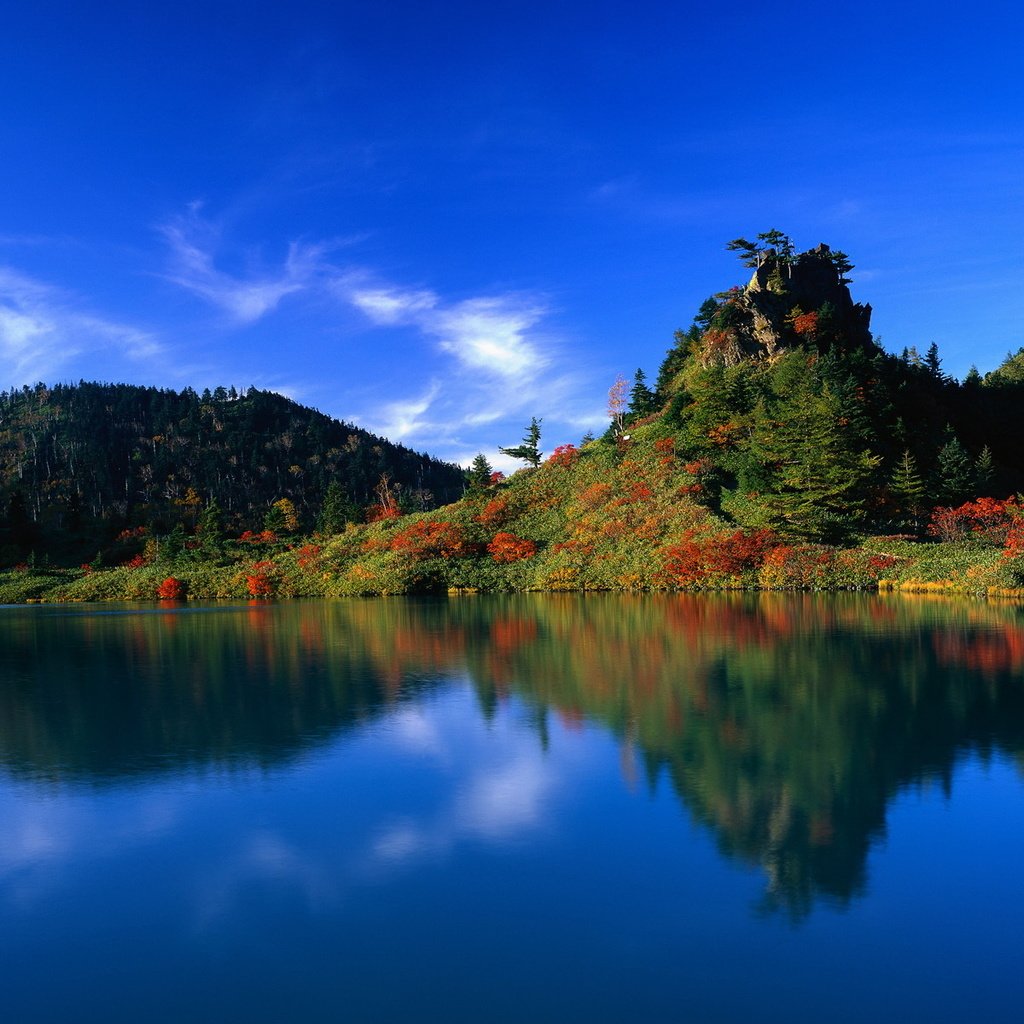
x=785 y=723
x=105 y=695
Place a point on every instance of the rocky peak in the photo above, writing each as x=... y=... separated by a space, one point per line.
x=791 y=299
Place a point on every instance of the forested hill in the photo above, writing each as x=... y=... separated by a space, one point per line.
x=90 y=460
x=803 y=424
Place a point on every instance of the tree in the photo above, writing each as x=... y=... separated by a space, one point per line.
x=816 y=446
x=528 y=451
x=617 y=403
x=641 y=399
x=984 y=472
x=210 y=529
x=932 y=363
x=750 y=252
x=954 y=478
x=336 y=510
x=478 y=477
x=842 y=264
x=908 y=488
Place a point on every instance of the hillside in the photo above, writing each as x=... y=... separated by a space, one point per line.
x=780 y=448
x=79 y=464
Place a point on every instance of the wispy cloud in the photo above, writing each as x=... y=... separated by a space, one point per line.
x=193 y=244
x=494 y=335
x=43 y=328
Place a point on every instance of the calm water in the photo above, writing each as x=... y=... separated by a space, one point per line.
x=524 y=809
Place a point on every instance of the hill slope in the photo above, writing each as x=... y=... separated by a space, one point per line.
x=80 y=463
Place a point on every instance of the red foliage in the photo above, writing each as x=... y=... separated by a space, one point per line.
x=507 y=547
x=495 y=512
x=564 y=455
x=986 y=519
x=263 y=537
x=431 y=540
x=135 y=563
x=496 y=477
x=131 y=534
x=665 y=445
x=881 y=563
x=259 y=582
x=308 y=556
x=806 y=324
x=172 y=589
x=639 y=491
x=692 y=559
x=378 y=513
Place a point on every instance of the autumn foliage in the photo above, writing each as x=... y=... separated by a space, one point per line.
x=985 y=519
x=172 y=589
x=507 y=547
x=259 y=582
x=693 y=559
x=431 y=540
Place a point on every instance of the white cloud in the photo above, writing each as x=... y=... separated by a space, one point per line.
x=42 y=329
x=493 y=335
x=193 y=243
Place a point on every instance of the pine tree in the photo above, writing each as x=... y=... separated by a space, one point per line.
x=818 y=450
x=478 y=477
x=336 y=510
x=984 y=473
x=641 y=398
x=954 y=478
x=908 y=489
x=528 y=451
x=210 y=528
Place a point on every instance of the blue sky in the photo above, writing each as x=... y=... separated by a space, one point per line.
x=439 y=220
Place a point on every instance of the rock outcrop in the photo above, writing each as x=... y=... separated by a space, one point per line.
x=790 y=300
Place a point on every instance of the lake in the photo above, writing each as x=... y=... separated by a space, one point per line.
x=525 y=808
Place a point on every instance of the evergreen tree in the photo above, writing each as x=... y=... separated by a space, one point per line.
x=818 y=452
x=908 y=490
x=641 y=399
x=954 y=478
x=984 y=473
x=336 y=510
x=210 y=528
x=528 y=451
x=478 y=477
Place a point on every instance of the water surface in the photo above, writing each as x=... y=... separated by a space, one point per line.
x=503 y=809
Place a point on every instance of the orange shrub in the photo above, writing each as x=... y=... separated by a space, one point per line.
x=431 y=540
x=172 y=589
x=495 y=512
x=693 y=559
x=507 y=547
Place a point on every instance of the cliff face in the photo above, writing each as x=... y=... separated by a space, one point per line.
x=789 y=300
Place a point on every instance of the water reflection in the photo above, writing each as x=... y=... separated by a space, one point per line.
x=785 y=724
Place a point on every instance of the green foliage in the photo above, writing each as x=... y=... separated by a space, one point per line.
x=529 y=450
x=478 y=478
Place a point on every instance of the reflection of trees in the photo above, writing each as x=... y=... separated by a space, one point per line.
x=785 y=723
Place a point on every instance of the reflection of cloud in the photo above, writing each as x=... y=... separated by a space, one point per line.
x=41 y=841
x=416 y=731
x=507 y=800
x=264 y=858
x=505 y=789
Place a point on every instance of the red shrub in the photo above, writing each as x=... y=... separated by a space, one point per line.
x=564 y=455
x=692 y=559
x=985 y=519
x=507 y=547
x=172 y=589
x=431 y=540
x=495 y=512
